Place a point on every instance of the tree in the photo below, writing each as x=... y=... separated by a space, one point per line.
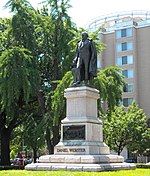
x=43 y=36
x=19 y=75
x=4 y=34
x=33 y=134
x=18 y=79
x=55 y=55
x=125 y=128
x=109 y=83
x=58 y=31
x=58 y=100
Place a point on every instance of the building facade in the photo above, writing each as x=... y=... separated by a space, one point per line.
x=127 y=39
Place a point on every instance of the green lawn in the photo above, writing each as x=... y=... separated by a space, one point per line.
x=137 y=172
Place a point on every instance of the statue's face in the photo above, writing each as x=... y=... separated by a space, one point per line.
x=84 y=36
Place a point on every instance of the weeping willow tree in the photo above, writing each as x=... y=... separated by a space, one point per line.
x=109 y=82
x=19 y=80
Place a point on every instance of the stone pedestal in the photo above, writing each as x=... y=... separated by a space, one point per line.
x=81 y=146
x=81 y=130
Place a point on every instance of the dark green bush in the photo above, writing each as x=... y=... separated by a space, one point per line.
x=144 y=166
x=11 y=167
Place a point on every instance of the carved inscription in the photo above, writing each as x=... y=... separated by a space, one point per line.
x=74 y=132
x=71 y=150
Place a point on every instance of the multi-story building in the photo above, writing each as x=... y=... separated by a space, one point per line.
x=127 y=39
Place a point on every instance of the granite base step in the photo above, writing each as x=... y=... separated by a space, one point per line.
x=81 y=159
x=80 y=167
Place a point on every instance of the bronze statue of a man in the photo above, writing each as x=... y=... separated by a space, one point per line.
x=85 y=60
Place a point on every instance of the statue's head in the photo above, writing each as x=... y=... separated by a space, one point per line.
x=84 y=35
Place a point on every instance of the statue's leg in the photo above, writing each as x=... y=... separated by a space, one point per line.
x=78 y=74
x=79 y=68
x=86 y=65
x=74 y=75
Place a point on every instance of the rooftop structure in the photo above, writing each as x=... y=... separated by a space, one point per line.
x=113 y=21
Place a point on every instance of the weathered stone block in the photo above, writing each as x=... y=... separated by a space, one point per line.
x=73 y=159
x=57 y=159
x=74 y=168
x=90 y=159
x=59 y=167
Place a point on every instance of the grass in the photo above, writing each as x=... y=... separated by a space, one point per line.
x=137 y=172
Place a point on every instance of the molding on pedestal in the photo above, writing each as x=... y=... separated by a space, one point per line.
x=68 y=120
x=75 y=92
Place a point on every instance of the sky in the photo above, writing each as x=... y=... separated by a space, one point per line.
x=83 y=11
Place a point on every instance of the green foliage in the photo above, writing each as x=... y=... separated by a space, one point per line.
x=4 y=34
x=109 y=83
x=33 y=132
x=17 y=5
x=34 y=45
x=125 y=128
x=144 y=166
x=58 y=100
x=11 y=168
x=16 y=141
x=58 y=31
x=18 y=76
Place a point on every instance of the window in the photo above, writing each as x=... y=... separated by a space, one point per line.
x=127 y=101
x=123 y=33
x=125 y=60
x=125 y=73
x=128 y=88
x=126 y=46
x=128 y=73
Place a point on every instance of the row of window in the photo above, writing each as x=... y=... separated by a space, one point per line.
x=127 y=59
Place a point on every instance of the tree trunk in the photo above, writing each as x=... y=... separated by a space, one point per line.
x=51 y=142
x=5 y=147
x=56 y=136
x=34 y=155
x=56 y=70
x=50 y=145
x=120 y=149
x=119 y=152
